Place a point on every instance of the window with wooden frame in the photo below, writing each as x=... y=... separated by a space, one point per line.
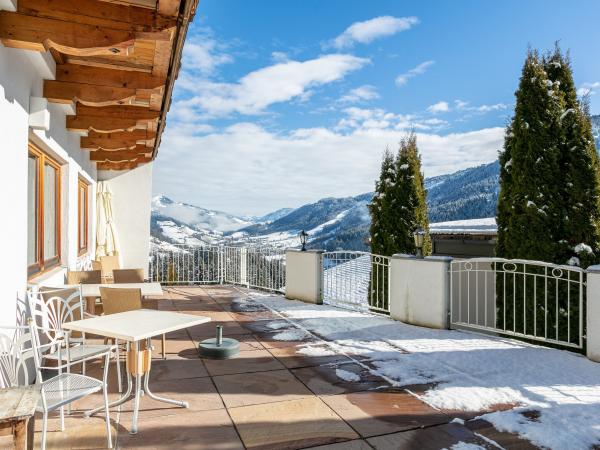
x=83 y=190
x=43 y=211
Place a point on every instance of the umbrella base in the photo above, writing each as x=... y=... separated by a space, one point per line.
x=227 y=349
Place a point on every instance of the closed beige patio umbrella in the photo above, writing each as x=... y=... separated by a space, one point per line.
x=106 y=235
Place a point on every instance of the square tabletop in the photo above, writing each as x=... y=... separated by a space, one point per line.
x=93 y=290
x=136 y=325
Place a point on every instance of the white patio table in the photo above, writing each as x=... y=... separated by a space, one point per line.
x=133 y=327
x=93 y=290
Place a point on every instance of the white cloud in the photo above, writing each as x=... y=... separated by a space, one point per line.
x=279 y=57
x=439 y=107
x=403 y=78
x=365 y=92
x=461 y=105
x=369 y=30
x=364 y=119
x=203 y=54
x=588 y=88
x=249 y=170
x=281 y=82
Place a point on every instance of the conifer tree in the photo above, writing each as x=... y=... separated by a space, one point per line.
x=409 y=198
x=529 y=204
x=379 y=208
x=580 y=181
x=399 y=204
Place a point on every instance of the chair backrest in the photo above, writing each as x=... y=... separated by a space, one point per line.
x=16 y=356
x=108 y=264
x=116 y=300
x=84 y=277
x=50 y=308
x=128 y=275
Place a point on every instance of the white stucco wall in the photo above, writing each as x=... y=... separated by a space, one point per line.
x=593 y=313
x=420 y=290
x=131 y=202
x=304 y=275
x=21 y=77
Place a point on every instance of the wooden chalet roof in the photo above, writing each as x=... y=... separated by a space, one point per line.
x=116 y=61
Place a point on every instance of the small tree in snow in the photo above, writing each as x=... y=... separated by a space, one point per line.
x=399 y=204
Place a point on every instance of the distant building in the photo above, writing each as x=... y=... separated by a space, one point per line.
x=465 y=238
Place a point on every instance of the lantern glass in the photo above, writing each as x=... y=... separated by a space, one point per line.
x=419 y=236
x=303 y=235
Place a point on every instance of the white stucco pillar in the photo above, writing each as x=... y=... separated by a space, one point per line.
x=304 y=275
x=593 y=313
x=420 y=290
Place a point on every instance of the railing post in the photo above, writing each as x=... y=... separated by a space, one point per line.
x=304 y=275
x=420 y=290
x=593 y=313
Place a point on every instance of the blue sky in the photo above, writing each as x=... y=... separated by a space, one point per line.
x=284 y=102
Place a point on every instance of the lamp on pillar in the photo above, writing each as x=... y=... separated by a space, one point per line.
x=303 y=235
x=419 y=235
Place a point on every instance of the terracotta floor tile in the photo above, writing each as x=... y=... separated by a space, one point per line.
x=289 y=425
x=432 y=438
x=378 y=412
x=348 y=445
x=80 y=433
x=329 y=380
x=260 y=387
x=291 y=359
x=177 y=369
x=200 y=393
x=206 y=430
x=506 y=440
x=249 y=361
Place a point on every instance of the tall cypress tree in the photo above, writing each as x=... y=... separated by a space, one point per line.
x=399 y=205
x=381 y=222
x=580 y=182
x=529 y=204
x=409 y=200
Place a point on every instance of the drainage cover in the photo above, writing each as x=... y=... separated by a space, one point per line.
x=219 y=347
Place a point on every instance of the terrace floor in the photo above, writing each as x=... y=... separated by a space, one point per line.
x=269 y=397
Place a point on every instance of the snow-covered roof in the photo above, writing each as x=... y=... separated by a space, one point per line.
x=485 y=225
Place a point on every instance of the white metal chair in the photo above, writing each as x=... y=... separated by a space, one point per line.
x=50 y=308
x=19 y=345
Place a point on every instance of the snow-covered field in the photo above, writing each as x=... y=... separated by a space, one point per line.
x=467 y=371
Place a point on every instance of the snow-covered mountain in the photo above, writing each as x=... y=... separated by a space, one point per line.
x=332 y=223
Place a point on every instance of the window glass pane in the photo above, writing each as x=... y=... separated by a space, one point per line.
x=82 y=216
x=50 y=241
x=32 y=209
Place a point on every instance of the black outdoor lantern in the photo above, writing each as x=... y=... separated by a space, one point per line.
x=419 y=235
x=303 y=235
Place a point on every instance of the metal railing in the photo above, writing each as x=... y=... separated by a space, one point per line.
x=528 y=299
x=257 y=267
x=358 y=280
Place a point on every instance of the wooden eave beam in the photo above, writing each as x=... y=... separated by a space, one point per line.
x=90 y=12
x=103 y=124
x=118 y=140
x=116 y=166
x=70 y=38
x=94 y=95
x=76 y=73
x=119 y=156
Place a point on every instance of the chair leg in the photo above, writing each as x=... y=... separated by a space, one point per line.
x=106 y=410
x=62 y=418
x=118 y=361
x=164 y=345
x=44 y=429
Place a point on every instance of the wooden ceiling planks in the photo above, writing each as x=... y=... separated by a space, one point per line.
x=116 y=62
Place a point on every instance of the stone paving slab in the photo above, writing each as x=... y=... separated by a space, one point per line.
x=290 y=425
x=379 y=412
x=260 y=387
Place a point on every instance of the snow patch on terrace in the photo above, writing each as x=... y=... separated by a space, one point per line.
x=468 y=371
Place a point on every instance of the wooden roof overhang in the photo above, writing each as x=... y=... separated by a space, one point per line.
x=116 y=62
